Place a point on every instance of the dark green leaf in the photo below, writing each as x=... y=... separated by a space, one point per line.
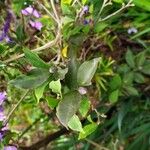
x=132 y=91
x=139 y=78
x=34 y=59
x=52 y=102
x=115 y=82
x=67 y=107
x=130 y=59
x=32 y=80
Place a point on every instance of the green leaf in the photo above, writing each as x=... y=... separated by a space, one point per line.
x=140 y=59
x=130 y=59
x=146 y=69
x=139 y=78
x=100 y=26
x=39 y=91
x=86 y=71
x=84 y=106
x=87 y=130
x=128 y=78
x=34 y=59
x=115 y=82
x=32 y=80
x=144 y=4
x=52 y=102
x=131 y=91
x=75 y=124
x=20 y=33
x=67 y=107
x=55 y=86
x=113 y=97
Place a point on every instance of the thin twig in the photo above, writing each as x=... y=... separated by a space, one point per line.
x=15 y=107
x=47 y=45
x=55 y=12
x=48 y=12
x=129 y=4
x=96 y=145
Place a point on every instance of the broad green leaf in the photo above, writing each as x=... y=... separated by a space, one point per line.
x=146 y=69
x=140 y=59
x=100 y=26
x=139 y=78
x=84 y=2
x=75 y=124
x=116 y=82
x=130 y=59
x=87 y=130
x=144 y=4
x=86 y=71
x=128 y=78
x=34 y=59
x=55 y=86
x=52 y=102
x=32 y=80
x=84 y=106
x=113 y=97
x=39 y=91
x=71 y=76
x=67 y=107
x=132 y=91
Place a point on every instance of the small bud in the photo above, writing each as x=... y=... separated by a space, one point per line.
x=82 y=90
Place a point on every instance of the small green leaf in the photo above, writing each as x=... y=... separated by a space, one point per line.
x=32 y=80
x=52 y=102
x=86 y=71
x=128 y=78
x=87 y=130
x=140 y=59
x=75 y=124
x=20 y=33
x=130 y=59
x=39 y=91
x=34 y=59
x=115 y=82
x=67 y=107
x=113 y=97
x=66 y=1
x=146 y=69
x=132 y=91
x=139 y=78
x=55 y=86
x=84 y=106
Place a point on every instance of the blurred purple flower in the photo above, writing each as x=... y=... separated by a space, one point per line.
x=86 y=9
x=2 y=97
x=6 y=26
x=10 y=148
x=30 y=11
x=132 y=30
x=85 y=22
x=82 y=90
x=35 y=24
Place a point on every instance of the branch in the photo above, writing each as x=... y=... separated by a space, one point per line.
x=46 y=140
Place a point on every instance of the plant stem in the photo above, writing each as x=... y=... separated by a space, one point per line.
x=15 y=107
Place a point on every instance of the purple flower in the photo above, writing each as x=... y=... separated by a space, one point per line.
x=82 y=90
x=132 y=30
x=2 y=98
x=6 y=26
x=10 y=148
x=86 y=9
x=35 y=24
x=30 y=11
